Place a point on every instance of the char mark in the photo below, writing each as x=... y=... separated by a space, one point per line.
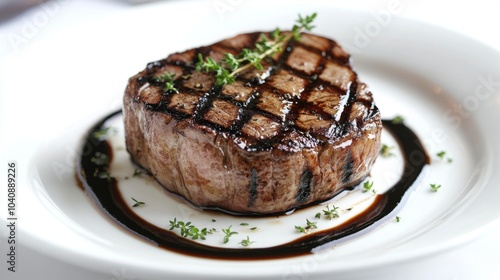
x=253 y=187
x=305 y=186
x=348 y=168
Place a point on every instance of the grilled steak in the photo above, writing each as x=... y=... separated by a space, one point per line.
x=295 y=133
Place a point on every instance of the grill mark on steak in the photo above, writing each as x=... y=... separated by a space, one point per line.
x=307 y=98
x=252 y=194
x=305 y=82
x=348 y=168
x=305 y=188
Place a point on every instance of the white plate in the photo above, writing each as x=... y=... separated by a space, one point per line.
x=419 y=71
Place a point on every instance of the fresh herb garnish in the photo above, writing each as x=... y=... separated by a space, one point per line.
x=137 y=172
x=367 y=186
x=442 y=155
x=137 y=203
x=189 y=230
x=318 y=215
x=435 y=187
x=100 y=159
x=244 y=224
x=398 y=219
x=253 y=228
x=104 y=175
x=309 y=225
x=168 y=79
x=228 y=233
x=265 y=47
x=385 y=151
x=398 y=120
x=331 y=213
x=246 y=242
x=101 y=133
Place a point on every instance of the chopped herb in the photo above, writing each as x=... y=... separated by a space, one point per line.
x=104 y=175
x=435 y=187
x=246 y=242
x=137 y=172
x=101 y=133
x=252 y=58
x=137 y=203
x=168 y=79
x=367 y=186
x=309 y=225
x=100 y=159
x=318 y=215
x=214 y=220
x=442 y=155
x=398 y=120
x=331 y=213
x=398 y=219
x=253 y=228
x=228 y=233
x=189 y=230
x=244 y=224
x=385 y=151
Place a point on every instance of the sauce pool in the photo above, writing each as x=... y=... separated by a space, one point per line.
x=94 y=176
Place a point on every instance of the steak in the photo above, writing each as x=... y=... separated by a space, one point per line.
x=293 y=134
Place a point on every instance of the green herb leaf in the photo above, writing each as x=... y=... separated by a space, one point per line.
x=246 y=242
x=331 y=213
x=168 y=79
x=252 y=58
x=385 y=151
x=100 y=159
x=442 y=155
x=137 y=172
x=309 y=225
x=367 y=186
x=435 y=187
x=228 y=234
x=398 y=120
x=137 y=203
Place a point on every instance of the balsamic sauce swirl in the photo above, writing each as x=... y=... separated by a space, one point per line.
x=95 y=179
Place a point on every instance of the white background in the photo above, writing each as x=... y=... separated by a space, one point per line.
x=478 y=19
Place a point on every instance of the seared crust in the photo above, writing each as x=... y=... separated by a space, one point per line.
x=298 y=132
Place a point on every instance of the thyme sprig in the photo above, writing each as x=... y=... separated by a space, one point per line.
x=246 y=242
x=442 y=156
x=331 y=213
x=189 y=230
x=228 y=233
x=386 y=151
x=252 y=58
x=309 y=225
x=168 y=79
x=368 y=186
x=435 y=187
x=137 y=202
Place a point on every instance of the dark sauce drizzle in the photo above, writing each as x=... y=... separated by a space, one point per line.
x=104 y=190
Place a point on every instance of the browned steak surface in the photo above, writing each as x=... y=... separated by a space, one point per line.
x=295 y=133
